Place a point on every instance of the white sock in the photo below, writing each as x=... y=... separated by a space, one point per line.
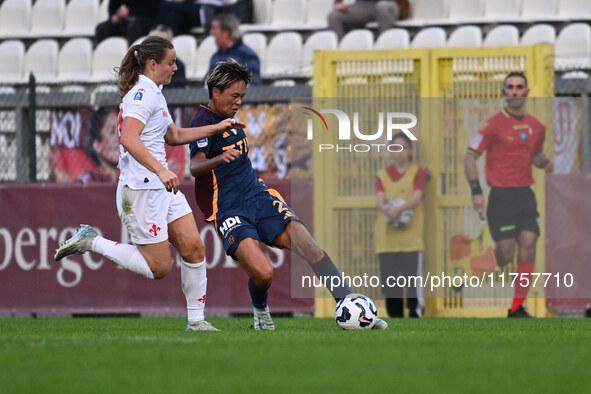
x=194 y=283
x=124 y=255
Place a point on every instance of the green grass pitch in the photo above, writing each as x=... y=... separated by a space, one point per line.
x=127 y=355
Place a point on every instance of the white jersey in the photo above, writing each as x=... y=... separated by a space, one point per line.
x=145 y=103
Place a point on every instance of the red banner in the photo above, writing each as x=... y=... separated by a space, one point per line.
x=35 y=218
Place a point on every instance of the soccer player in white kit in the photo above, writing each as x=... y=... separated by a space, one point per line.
x=154 y=211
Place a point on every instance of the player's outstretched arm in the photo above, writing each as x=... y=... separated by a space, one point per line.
x=201 y=165
x=181 y=136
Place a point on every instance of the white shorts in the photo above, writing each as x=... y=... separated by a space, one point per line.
x=147 y=212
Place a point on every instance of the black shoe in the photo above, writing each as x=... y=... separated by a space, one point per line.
x=520 y=312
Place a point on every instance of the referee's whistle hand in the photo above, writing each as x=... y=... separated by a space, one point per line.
x=478 y=202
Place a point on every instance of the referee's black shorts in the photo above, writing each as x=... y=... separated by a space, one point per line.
x=512 y=210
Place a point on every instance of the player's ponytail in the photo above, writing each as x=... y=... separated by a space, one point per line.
x=135 y=60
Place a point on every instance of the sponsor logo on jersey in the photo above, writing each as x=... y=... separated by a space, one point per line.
x=164 y=114
x=520 y=126
x=230 y=224
x=202 y=143
x=523 y=135
x=138 y=96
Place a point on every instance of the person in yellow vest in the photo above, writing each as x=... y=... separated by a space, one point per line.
x=398 y=231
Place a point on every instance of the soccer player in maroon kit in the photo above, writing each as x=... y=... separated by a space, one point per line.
x=513 y=141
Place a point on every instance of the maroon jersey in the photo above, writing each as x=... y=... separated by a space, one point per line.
x=511 y=144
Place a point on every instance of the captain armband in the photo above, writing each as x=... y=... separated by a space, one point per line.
x=475 y=187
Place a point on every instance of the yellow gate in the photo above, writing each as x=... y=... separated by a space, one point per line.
x=344 y=185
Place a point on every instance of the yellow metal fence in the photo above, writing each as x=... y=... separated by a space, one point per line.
x=451 y=90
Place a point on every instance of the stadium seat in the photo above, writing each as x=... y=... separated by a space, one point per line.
x=573 y=47
x=282 y=56
x=257 y=42
x=465 y=37
x=394 y=38
x=574 y=9
x=538 y=34
x=138 y=40
x=103 y=11
x=261 y=12
x=12 y=53
x=107 y=55
x=15 y=18
x=186 y=48
x=105 y=88
x=502 y=11
x=422 y=12
x=357 y=40
x=539 y=10
x=73 y=88
x=6 y=90
x=204 y=53
x=319 y=40
x=47 y=18
x=317 y=13
x=431 y=37
x=75 y=60
x=41 y=60
x=575 y=75
x=284 y=82
x=288 y=14
x=81 y=16
x=502 y=36
x=463 y=12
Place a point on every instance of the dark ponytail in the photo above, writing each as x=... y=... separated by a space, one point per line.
x=135 y=60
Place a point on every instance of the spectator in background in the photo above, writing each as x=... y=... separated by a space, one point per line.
x=345 y=17
x=242 y=9
x=225 y=30
x=400 y=247
x=101 y=143
x=128 y=18
x=182 y=16
x=179 y=78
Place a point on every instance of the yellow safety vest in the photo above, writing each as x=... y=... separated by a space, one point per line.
x=409 y=239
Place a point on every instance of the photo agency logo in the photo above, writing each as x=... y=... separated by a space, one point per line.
x=392 y=123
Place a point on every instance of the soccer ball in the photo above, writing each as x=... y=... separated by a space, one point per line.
x=404 y=218
x=356 y=312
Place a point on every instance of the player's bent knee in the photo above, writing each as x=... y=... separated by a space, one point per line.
x=263 y=278
x=504 y=258
x=196 y=254
x=160 y=272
